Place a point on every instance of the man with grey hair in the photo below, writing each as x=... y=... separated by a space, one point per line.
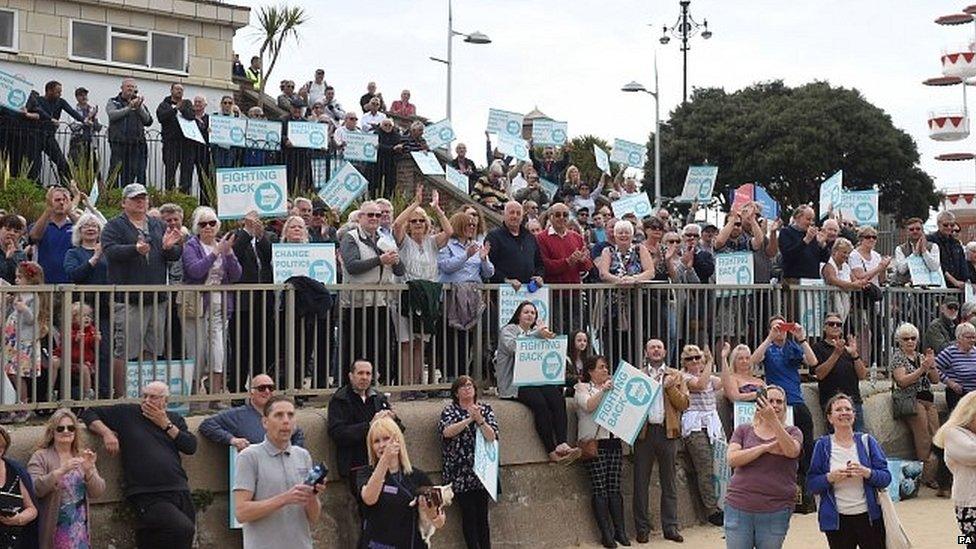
x=951 y=255
x=970 y=249
x=348 y=126
x=372 y=118
x=515 y=253
x=168 y=112
x=127 y=119
x=150 y=440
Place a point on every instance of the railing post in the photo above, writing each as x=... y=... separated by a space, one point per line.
x=289 y=338
x=66 y=342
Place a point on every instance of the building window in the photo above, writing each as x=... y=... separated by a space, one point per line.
x=99 y=43
x=8 y=30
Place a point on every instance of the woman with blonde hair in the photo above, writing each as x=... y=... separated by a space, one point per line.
x=914 y=374
x=700 y=424
x=738 y=380
x=65 y=479
x=294 y=231
x=389 y=489
x=837 y=272
x=957 y=437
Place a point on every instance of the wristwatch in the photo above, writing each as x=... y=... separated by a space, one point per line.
x=168 y=427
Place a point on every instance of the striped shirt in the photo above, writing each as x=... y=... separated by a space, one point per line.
x=957 y=366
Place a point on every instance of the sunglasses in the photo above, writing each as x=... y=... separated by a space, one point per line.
x=418 y=221
x=373 y=215
x=264 y=388
x=211 y=223
x=65 y=428
x=870 y=237
x=673 y=242
x=560 y=214
x=833 y=324
x=226 y=102
x=909 y=338
x=692 y=358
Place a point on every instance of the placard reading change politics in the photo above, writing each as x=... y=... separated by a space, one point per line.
x=509 y=299
x=227 y=131
x=549 y=132
x=504 y=122
x=263 y=134
x=262 y=189
x=316 y=261
x=540 y=361
x=623 y=410
x=361 y=147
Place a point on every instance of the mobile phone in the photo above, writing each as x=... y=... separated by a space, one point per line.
x=317 y=474
x=761 y=394
x=787 y=327
x=433 y=495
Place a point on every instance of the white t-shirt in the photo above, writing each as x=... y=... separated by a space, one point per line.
x=419 y=260
x=849 y=492
x=856 y=261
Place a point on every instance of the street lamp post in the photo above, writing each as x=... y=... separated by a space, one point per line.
x=684 y=29
x=473 y=38
x=636 y=87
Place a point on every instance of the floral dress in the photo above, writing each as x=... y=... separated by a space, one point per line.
x=21 y=346
x=71 y=531
x=459 y=451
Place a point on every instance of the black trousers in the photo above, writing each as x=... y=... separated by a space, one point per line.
x=172 y=159
x=164 y=520
x=195 y=157
x=53 y=151
x=367 y=333
x=942 y=475
x=252 y=340
x=804 y=422
x=856 y=531
x=474 y=518
x=549 y=412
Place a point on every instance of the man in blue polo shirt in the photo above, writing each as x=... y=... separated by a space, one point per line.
x=52 y=234
x=782 y=359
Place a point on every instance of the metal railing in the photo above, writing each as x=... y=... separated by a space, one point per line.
x=89 y=345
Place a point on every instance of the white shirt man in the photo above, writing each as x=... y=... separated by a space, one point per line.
x=372 y=117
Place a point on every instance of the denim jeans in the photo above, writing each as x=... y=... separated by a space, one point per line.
x=744 y=530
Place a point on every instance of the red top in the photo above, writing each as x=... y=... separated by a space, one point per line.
x=403 y=108
x=556 y=250
x=83 y=343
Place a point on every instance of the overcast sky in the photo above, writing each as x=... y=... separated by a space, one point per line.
x=570 y=58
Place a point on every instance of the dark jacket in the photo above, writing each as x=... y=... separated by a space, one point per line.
x=424 y=304
x=951 y=255
x=516 y=257
x=126 y=125
x=53 y=110
x=940 y=333
x=255 y=267
x=800 y=259
x=128 y=266
x=552 y=170
x=8 y=267
x=349 y=418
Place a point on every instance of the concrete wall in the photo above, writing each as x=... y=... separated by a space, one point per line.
x=541 y=505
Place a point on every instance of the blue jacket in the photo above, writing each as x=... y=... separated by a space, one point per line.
x=818 y=484
x=243 y=422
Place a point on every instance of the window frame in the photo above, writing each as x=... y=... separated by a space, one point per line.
x=15 y=37
x=110 y=33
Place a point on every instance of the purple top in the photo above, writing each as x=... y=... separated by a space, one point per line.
x=196 y=268
x=768 y=483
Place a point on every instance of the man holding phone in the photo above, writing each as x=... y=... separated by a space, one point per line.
x=274 y=498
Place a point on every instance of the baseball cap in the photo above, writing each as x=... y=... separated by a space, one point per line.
x=298 y=103
x=319 y=205
x=133 y=189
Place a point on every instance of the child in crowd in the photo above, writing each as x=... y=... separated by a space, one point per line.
x=85 y=337
x=24 y=328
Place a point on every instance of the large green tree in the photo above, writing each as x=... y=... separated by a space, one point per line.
x=789 y=140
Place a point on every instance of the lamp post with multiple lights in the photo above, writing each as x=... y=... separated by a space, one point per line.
x=684 y=29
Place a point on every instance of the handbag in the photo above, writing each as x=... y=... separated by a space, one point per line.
x=895 y=535
x=903 y=400
x=589 y=449
x=190 y=304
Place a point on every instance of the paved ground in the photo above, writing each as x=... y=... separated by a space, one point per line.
x=931 y=523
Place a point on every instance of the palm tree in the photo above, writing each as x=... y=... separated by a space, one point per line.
x=275 y=25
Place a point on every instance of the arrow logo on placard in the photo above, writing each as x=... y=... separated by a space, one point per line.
x=551 y=364
x=237 y=135
x=369 y=150
x=864 y=212
x=316 y=138
x=17 y=98
x=267 y=197
x=638 y=391
x=634 y=159
x=559 y=136
x=512 y=128
x=352 y=182
x=321 y=270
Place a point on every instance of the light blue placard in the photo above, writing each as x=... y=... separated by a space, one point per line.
x=177 y=374
x=315 y=260
x=516 y=147
x=95 y=193
x=308 y=135
x=487 y=456
x=344 y=187
x=813 y=306
x=361 y=147
x=721 y=472
x=860 y=206
x=227 y=131
x=231 y=480
x=744 y=411
x=190 y=129
x=539 y=361
x=831 y=193
x=602 y=160
x=427 y=162
x=922 y=276
x=549 y=132
x=263 y=134
x=628 y=153
x=14 y=91
x=457 y=179
x=638 y=204
x=699 y=184
x=734 y=269
x=549 y=187
x=505 y=122
x=623 y=411
x=439 y=134
x=263 y=189
x=509 y=299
